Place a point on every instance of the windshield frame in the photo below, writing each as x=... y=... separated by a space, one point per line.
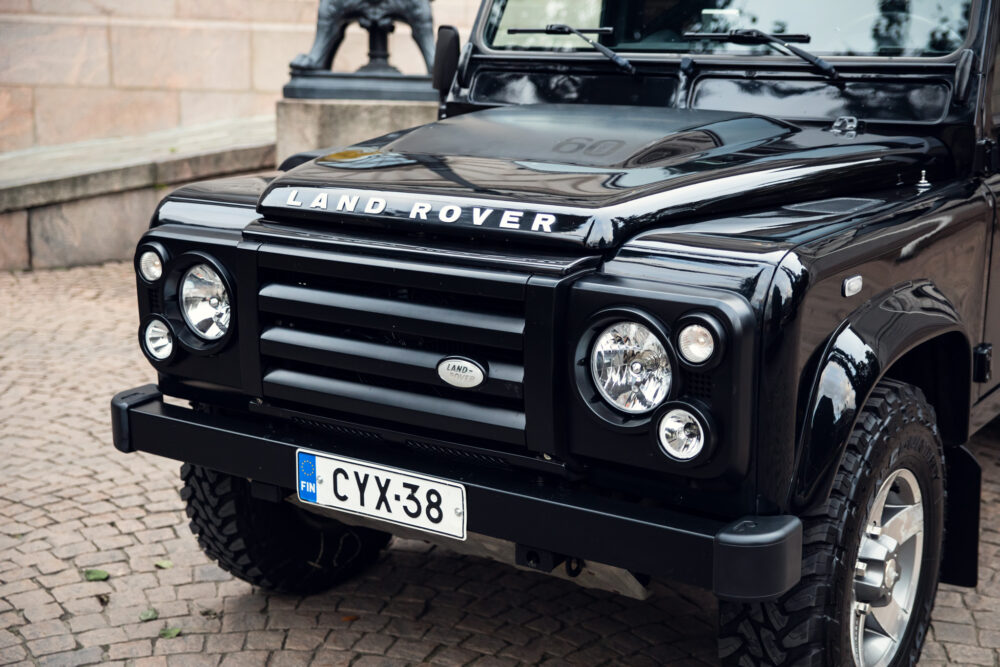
x=769 y=60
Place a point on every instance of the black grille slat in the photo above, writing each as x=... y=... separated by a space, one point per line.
x=387 y=361
x=278 y=237
x=458 y=280
x=427 y=412
x=395 y=315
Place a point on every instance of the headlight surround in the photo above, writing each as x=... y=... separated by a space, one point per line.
x=682 y=437
x=685 y=432
x=631 y=367
x=205 y=302
x=157 y=340
x=151 y=262
x=150 y=266
x=700 y=341
x=696 y=343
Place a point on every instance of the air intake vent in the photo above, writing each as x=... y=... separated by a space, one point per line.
x=838 y=206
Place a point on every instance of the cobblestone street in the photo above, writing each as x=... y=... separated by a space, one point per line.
x=70 y=502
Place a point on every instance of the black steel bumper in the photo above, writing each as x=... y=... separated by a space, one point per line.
x=755 y=558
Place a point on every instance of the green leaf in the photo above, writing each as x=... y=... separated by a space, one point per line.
x=95 y=575
x=164 y=564
x=169 y=633
x=149 y=615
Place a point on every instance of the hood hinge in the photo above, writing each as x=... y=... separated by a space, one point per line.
x=846 y=126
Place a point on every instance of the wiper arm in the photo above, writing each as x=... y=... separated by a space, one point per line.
x=562 y=29
x=758 y=37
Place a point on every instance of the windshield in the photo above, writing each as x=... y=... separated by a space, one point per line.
x=888 y=28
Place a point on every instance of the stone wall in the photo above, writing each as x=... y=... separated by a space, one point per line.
x=70 y=205
x=74 y=70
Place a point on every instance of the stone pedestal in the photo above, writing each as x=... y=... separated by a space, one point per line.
x=321 y=85
x=305 y=125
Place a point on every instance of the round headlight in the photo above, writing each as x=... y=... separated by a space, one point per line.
x=205 y=302
x=150 y=266
x=682 y=436
x=630 y=367
x=159 y=342
x=696 y=343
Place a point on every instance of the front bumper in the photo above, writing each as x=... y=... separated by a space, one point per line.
x=755 y=558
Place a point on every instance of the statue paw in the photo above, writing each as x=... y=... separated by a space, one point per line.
x=306 y=61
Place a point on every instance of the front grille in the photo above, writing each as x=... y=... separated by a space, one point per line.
x=360 y=338
x=155 y=302
x=357 y=433
x=697 y=385
x=457 y=454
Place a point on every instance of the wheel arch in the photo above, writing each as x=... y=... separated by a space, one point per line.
x=911 y=334
x=941 y=367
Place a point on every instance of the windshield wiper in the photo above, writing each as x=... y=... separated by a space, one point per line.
x=562 y=29
x=758 y=37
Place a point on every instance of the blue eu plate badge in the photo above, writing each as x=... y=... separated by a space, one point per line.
x=307 y=477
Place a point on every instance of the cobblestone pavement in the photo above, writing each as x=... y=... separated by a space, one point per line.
x=69 y=502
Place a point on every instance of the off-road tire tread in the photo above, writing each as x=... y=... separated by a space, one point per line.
x=793 y=630
x=268 y=544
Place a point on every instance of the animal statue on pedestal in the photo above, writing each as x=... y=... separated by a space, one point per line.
x=376 y=16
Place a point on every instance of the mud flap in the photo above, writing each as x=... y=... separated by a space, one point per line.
x=960 y=561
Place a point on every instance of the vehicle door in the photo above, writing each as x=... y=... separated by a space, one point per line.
x=991 y=322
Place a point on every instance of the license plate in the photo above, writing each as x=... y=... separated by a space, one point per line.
x=380 y=492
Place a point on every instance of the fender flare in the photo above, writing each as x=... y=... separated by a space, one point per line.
x=856 y=358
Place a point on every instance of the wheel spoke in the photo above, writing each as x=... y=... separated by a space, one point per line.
x=878 y=505
x=891 y=619
x=877 y=650
x=902 y=522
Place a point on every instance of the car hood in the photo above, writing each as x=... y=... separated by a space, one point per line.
x=585 y=176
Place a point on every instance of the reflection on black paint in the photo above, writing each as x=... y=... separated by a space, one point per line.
x=619 y=178
x=498 y=87
x=878 y=100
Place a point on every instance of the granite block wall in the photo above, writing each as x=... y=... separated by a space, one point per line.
x=75 y=70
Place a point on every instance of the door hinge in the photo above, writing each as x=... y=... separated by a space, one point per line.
x=989 y=156
x=982 y=363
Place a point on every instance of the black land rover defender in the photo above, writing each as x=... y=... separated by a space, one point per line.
x=692 y=289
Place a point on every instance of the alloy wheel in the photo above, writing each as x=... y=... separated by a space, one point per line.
x=887 y=572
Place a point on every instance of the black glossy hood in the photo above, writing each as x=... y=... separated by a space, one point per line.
x=588 y=176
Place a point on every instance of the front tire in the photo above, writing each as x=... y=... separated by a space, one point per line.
x=274 y=545
x=871 y=554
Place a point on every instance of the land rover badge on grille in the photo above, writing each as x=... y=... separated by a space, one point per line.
x=460 y=372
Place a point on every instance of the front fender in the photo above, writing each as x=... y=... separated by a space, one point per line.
x=857 y=356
